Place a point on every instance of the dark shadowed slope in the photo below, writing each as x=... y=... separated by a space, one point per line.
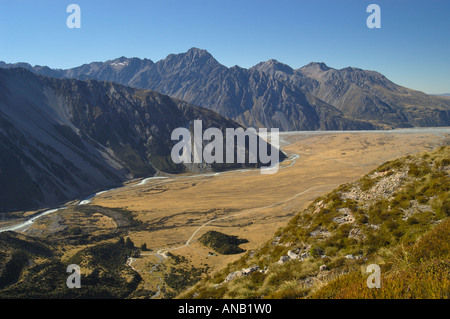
x=63 y=138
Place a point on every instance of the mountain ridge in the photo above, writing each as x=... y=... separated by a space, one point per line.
x=272 y=94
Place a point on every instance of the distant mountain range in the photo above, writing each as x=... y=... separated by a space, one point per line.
x=272 y=94
x=64 y=133
x=61 y=138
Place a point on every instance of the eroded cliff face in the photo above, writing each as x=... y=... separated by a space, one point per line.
x=62 y=138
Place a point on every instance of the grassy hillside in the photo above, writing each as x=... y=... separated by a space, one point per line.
x=36 y=266
x=397 y=216
x=418 y=271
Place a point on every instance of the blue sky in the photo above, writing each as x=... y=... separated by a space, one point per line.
x=412 y=48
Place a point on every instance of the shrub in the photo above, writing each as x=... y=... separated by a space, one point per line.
x=316 y=251
x=222 y=243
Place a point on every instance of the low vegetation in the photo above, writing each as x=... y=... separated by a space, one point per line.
x=222 y=243
x=38 y=274
x=36 y=266
x=418 y=271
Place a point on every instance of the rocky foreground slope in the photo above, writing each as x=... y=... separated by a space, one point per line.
x=397 y=217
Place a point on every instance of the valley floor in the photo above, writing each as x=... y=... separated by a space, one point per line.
x=170 y=214
x=176 y=211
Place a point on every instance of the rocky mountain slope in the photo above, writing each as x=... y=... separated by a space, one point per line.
x=272 y=94
x=369 y=95
x=60 y=139
x=397 y=217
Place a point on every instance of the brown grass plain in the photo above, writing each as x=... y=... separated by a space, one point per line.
x=177 y=210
